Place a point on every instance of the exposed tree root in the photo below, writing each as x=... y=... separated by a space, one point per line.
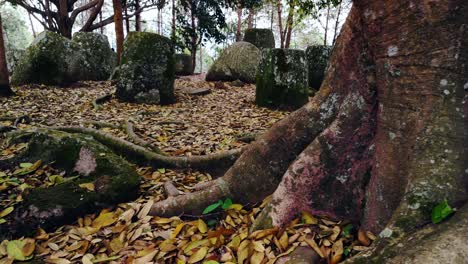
x=17 y=119
x=100 y=100
x=170 y=189
x=128 y=126
x=214 y=163
x=101 y=124
x=247 y=137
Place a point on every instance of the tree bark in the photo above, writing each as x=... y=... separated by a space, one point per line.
x=32 y=25
x=119 y=32
x=250 y=18
x=63 y=19
x=194 y=42
x=325 y=41
x=173 y=33
x=337 y=23
x=127 y=20
x=239 y=23
x=280 y=22
x=289 y=24
x=137 y=16
x=384 y=139
x=5 y=89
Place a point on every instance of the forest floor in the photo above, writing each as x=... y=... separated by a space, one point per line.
x=195 y=125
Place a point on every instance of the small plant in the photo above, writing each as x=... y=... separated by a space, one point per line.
x=212 y=207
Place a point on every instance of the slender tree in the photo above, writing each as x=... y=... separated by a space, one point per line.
x=119 y=31
x=5 y=89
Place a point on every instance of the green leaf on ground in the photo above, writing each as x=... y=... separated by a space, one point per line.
x=227 y=203
x=212 y=207
x=441 y=211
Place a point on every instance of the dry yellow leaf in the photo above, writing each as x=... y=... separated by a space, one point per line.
x=257 y=258
x=167 y=245
x=194 y=244
x=257 y=246
x=284 y=241
x=202 y=226
x=235 y=207
x=243 y=251
x=6 y=211
x=116 y=245
x=307 y=218
x=145 y=210
x=88 y=186
x=104 y=219
x=363 y=239
x=41 y=234
x=87 y=259
x=337 y=252
x=177 y=230
x=29 y=246
x=147 y=258
x=162 y=221
x=311 y=242
x=53 y=246
x=198 y=255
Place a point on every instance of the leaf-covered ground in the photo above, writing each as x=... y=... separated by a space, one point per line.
x=126 y=234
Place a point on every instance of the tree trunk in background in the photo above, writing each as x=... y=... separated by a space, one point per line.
x=127 y=19
x=137 y=16
x=326 y=24
x=32 y=25
x=280 y=24
x=173 y=33
x=201 y=59
x=272 y=16
x=381 y=143
x=337 y=23
x=250 y=18
x=194 y=44
x=63 y=23
x=289 y=24
x=100 y=20
x=5 y=89
x=119 y=31
x=239 y=23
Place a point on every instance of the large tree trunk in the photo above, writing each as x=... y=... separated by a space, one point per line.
x=63 y=20
x=5 y=89
x=250 y=18
x=119 y=32
x=382 y=142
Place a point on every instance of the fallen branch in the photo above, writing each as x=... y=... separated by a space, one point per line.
x=100 y=100
x=214 y=163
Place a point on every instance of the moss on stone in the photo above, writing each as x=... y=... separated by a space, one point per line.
x=115 y=180
x=237 y=62
x=93 y=57
x=183 y=64
x=262 y=38
x=147 y=70
x=317 y=60
x=45 y=61
x=282 y=79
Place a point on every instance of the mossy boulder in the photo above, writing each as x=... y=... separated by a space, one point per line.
x=237 y=62
x=262 y=38
x=317 y=61
x=46 y=61
x=147 y=70
x=94 y=57
x=13 y=57
x=114 y=180
x=282 y=79
x=183 y=64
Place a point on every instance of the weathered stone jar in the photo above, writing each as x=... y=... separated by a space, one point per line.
x=282 y=79
x=147 y=71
